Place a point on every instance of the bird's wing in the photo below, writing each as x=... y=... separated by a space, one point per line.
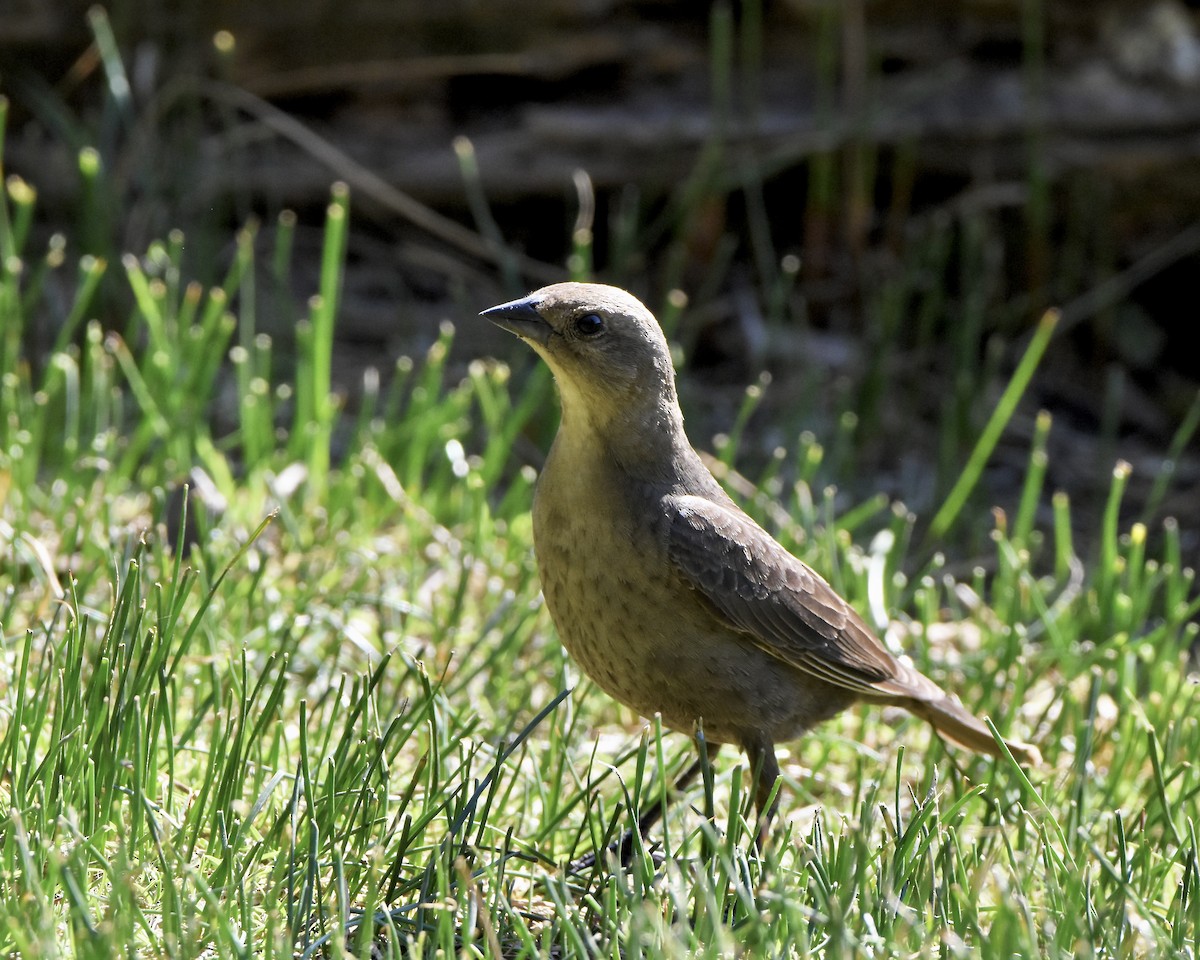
x=781 y=603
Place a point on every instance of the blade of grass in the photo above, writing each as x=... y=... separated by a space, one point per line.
x=944 y=519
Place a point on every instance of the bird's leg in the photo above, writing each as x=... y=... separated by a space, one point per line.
x=656 y=810
x=623 y=849
x=765 y=770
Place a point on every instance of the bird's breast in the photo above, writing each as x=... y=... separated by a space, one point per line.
x=605 y=577
x=636 y=628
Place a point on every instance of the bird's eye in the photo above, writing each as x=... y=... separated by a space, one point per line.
x=589 y=324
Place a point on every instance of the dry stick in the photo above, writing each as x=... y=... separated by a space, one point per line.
x=1119 y=285
x=369 y=183
x=550 y=62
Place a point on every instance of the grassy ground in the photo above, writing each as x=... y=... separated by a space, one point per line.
x=311 y=701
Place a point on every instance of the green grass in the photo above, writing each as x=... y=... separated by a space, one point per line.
x=314 y=700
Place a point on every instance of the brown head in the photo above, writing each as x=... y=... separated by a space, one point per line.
x=609 y=358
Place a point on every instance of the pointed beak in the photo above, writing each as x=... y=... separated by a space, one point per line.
x=520 y=317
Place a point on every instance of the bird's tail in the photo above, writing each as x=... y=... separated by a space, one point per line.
x=955 y=723
x=915 y=691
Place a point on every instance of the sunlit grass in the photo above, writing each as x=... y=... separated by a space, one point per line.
x=258 y=698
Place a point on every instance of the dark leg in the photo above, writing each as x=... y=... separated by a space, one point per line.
x=765 y=770
x=650 y=816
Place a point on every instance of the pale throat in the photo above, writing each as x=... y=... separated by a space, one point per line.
x=641 y=432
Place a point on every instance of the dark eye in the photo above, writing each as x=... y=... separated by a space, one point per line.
x=589 y=324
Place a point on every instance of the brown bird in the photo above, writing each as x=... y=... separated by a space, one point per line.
x=667 y=594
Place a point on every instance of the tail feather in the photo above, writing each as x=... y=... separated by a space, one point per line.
x=952 y=721
x=915 y=691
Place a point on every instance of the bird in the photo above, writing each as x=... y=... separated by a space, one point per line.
x=667 y=594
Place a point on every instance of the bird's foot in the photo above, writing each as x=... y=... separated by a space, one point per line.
x=621 y=851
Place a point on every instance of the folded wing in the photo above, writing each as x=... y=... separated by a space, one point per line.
x=780 y=603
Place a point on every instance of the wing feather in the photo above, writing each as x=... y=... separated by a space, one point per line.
x=778 y=601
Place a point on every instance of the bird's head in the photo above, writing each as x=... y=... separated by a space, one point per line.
x=606 y=350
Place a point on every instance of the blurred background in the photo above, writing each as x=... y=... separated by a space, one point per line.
x=874 y=202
